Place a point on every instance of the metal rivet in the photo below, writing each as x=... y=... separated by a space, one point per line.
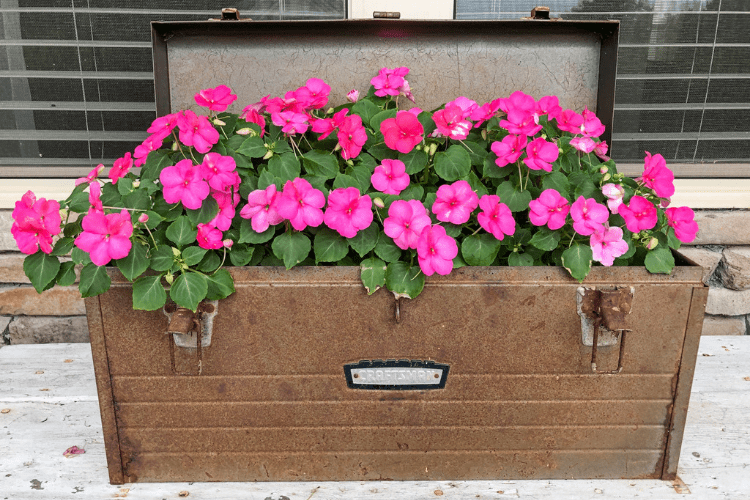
x=356 y=375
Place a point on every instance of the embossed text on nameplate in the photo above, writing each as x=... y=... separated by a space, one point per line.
x=391 y=374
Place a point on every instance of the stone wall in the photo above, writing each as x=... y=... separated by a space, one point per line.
x=58 y=315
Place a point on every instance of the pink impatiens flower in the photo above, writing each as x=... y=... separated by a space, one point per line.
x=405 y=222
x=436 y=251
x=209 y=237
x=152 y=143
x=550 y=209
x=227 y=202
x=607 y=244
x=290 y=122
x=455 y=202
x=352 y=95
x=403 y=132
x=588 y=216
x=218 y=170
x=540 y=154
x=301 y=204
x=251 y=115
x=509 y=149
x=215 y=99
x=390 y=177
x=95 y=192
x=314 y=95
x=451 y=122
x=348 y=212
x=486 y=111
x=583 y=144
x=389 y=81
x=614 y=194
x=183 y=182
x=657 y=176
x=163 y=126
x=639 y=214
x=34 y=223
x=496 y=218
x=591 y=126
x=105 y=237
x=520 y=117
x=120 y=168
x=682 y=220
x=91 y=177
x=569 y=121
x=352 y=136
x=261 y=208
x=197 y=131
x=549 y=106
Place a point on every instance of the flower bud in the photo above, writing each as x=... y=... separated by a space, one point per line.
x=418 y=147
x=652 y=243
x=219 y=122
x=378 y=202
x=175 y=252
x=63 y=213
x=338 y=147
x=136 y=184
x=227 y=243
x=484 y=134
x=143 y=218
x=243 y=131
x=606 y=177
x=603 y=170
x=544 y=136
x=433 y=148
x=350 y=163
x=268 y=155
x=330 y=111
x=175 y=146
x=353 y=95
x=169 y=277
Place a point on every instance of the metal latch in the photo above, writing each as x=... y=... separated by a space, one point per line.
x=386 y=15
x=191 y=333
x=603 y=315
x=230 y=14
x=540 y=14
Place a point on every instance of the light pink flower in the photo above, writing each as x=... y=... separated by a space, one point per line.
x=183 y=182
x=197 y=131
x=451 y=122
x=607 y=244
x=120 y=168
x=584 y=144
x=614 y=194
x=403 y=132
x=314 y=95
x=261 y=208
x=405 y=222
x=143 y=218
x=496 y=218
x=215 y=99
x=657 y=176
x=601 y=151
x=152 y=143
x=352 y=136
x=540 y=154
x=455 y=202
x=569 y=121
x=163 y=126
x=509 y=149
x=390 y=177
x=218 y=170
x=209 y=237
x=550 y=209
x=91 y=177
x=348 y=212
x=290 y=122
x=301 y=204
x=466 y=105
x=352 y=95
x=436 y=251
x=639 y=214
x=591 y=126
x=34 y=223
x=105 y=237
x=682 y=220
x=588 y=215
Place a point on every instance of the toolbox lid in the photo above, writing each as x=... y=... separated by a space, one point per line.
x=482 y=60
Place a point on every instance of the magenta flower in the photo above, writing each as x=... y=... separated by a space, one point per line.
x=496 y=218
x=607 y=244
x=484 y=112
x=451 y=123
x=251 y=115
x=436 y=251
x=105 y=237
x=184 y=182
x=348 y=212
x=600 y=150
x=657 y=176
x=34 y=223
x=588 y=216
x=591 y=126
x=218 y=170
x=550 y=209
x=352 y=95
x=584 y=144
x=540 y=154
x=639 y=214
x=197 y=131
x=290 y=122
x=405 y=222
x=520 y=117
x=261 y=208
x=120 y=168
x=91 y=177
x=466 y=105
x=518 y=101
x=226 y=201
x=455 y=202
x=390 y=177
x=403 y=132
x=163 y=126
x=95 y=192
x=389 y=81
x=614 y=194
x=215 y=99
x=509 y=149
x=301 y=204
x=152 y=143
x=209 y=237
x=548 y=105
x=314 y=95
x=569 y=121
x=352 y=136
x=682 y=220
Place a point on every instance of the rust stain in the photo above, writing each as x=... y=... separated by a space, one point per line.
x=680 y=487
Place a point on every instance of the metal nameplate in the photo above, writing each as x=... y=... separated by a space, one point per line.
x=396 y=375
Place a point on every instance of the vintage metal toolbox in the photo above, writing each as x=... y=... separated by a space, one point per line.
x=491 y=373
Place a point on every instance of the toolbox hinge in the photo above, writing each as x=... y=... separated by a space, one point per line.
x=540 y=14
x=386 y=15
x=604 y=323
x=230 y=14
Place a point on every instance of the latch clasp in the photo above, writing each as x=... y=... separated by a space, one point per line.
x=603 y=315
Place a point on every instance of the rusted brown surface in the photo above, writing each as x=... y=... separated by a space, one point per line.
x=271 y=401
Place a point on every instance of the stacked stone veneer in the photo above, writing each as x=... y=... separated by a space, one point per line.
x=58 y=315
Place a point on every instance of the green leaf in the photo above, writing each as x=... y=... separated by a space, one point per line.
x=458 y=261
x=135 y=263
x=362 y=175
x=516 y=200
x=557 y=181
x=124 y=186
x=149 y=293
x=154 y=219
x=367 y=161
x=379 y=118
x=480 y=249
x=329 y=246
x=545 y=239
x=266 y=179
x=79 y=202
x=291 y=247
x=66 y=276
x=520 y=259
x=372 y=273
x=477 y=152
x=415 y=161
x=412 y=192
x=673 y=242
x=211 y=261
x=167 y=211
x=425 y=118
x=155 y=163
x=577 y=260
x=476 y=184
x=162 y=258
x=345 y=181
x=386 y=249
x=404 y=280
x=490 y=168
x=285 y=167
x=193 y=255
x=63 y=246
x=320 y=164
x=249 y=184
x=220 y=285
x=253 y=147
x=364 y=241
x=79 y=256
x=94 y=280
x=659 y=260
x=181 y=231
x=248 y=234
x=41 y=269
x=453 y=164
x=207 y=211
x=381 y=152
x=188 y=290
x=366 y=109
x=240 y=254
x=138 y=199
x=110 y=197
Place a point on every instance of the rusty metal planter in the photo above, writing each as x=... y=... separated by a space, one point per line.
x=268 y=400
